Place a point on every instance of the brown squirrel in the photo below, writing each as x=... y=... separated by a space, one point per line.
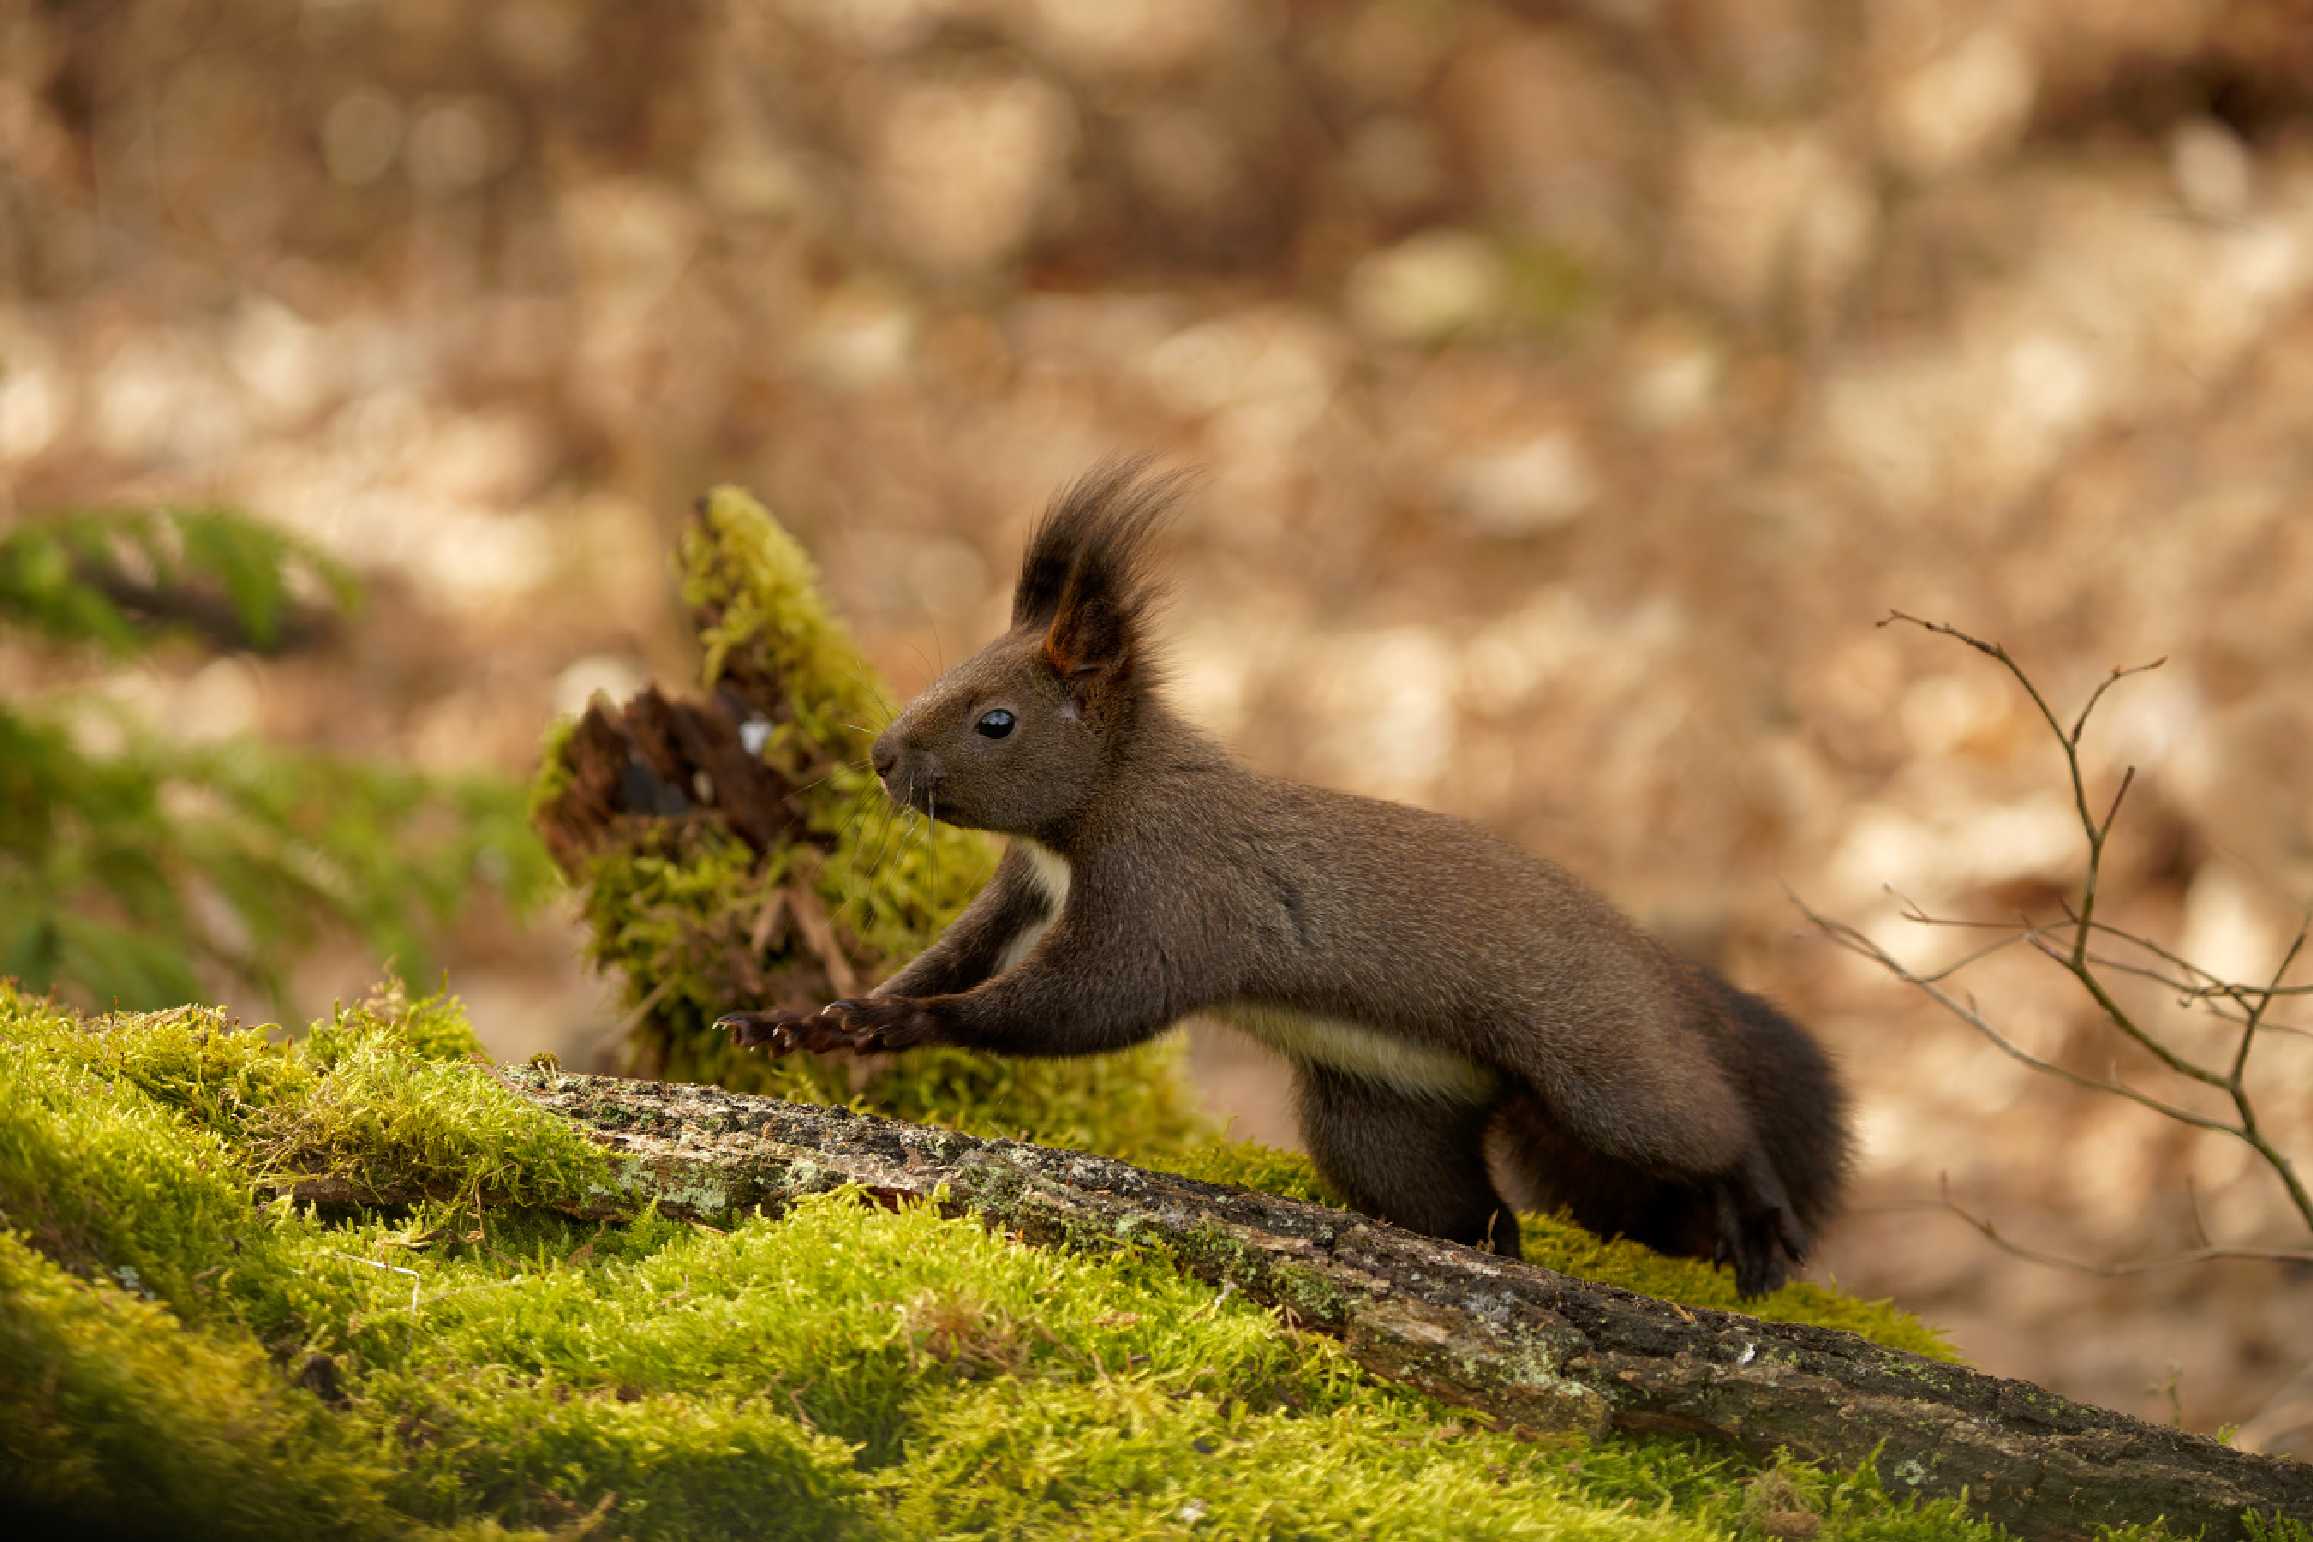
x=1427 y=981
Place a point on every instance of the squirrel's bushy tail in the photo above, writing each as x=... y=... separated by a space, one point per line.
x=1797 y=1102
x=1798 y=1111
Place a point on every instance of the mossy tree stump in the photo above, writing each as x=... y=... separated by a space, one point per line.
x=734 y=849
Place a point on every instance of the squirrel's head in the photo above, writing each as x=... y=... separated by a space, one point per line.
x=1017 y=738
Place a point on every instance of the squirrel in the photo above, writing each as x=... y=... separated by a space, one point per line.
x=1429 y=982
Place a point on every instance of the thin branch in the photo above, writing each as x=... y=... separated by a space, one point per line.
x=2256 y=1015
x=2069 y=742
x=2127 y=780
x=2065 y=959
x=2122 y=672
x=2186 y=992
x=2280 y=1164
x=2223 y=1012
x=2215 y=984
x=1999 y=945
x=2212 y=990
x=1855 y=942
x=2206 y=995
x=1915 y=912
x=2104 y=1271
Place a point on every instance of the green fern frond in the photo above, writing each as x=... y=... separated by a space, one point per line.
x=122 y=578
x=127 y=876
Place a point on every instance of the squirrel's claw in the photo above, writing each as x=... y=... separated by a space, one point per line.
x=874 y=1025
x=774 y=1031
x=861 y=1026
x=782 y=1032
x=1755 y=1237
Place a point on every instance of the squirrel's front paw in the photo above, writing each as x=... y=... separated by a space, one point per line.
x=878 y=1024
x=780 y=1031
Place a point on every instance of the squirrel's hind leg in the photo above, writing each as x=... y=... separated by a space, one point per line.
x=1415 y=1160
x=1740 y=1217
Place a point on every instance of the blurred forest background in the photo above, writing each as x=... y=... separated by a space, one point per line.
x=1576 y=384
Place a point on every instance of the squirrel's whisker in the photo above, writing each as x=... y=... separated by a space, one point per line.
x=831 y=772
x=892 y=814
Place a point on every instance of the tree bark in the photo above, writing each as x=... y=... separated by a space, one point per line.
x=1525 y=1345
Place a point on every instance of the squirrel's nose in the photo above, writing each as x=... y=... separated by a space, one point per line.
x=886 y=756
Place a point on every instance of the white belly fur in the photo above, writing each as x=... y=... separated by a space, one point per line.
x=1049 y=870
x=1379 y=1057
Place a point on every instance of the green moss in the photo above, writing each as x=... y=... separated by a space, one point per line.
x=112 y=1185
x=553 y=777
x=431 y=1027
x=764 y=623
x=119 y=1420
x=763 y=620
x=369 y=1098
x=226 y=1077
x=973 y=1386
x=536 y=1450
x=843 y=1370
x=756 y=593
x=1558 y=1243
x=1252 y=1166
x=393 y=1124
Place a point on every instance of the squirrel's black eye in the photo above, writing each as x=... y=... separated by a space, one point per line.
x=995 y=724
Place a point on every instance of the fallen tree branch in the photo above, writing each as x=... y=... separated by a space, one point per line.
x=1527 y=1346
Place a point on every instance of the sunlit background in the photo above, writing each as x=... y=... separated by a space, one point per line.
x=1575 y=385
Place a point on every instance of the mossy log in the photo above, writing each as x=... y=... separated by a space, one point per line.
x=1525 y=1345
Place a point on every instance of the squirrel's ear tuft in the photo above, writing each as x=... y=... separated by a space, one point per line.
x=1085 y=579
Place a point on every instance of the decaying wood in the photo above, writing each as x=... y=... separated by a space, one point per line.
x=656 y=758
x=1522 y=1344
x=662 y=778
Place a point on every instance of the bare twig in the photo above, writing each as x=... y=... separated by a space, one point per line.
x=2206 y=1253
x=2238 y=1088
x=2071 y=948
x=2211 y=993
x=2193 y=985
x=1978 y=955
x=2070 y=741
x=1967 y=1012
x=2074 y=961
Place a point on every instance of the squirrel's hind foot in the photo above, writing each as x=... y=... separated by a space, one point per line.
x=1756 y=1233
